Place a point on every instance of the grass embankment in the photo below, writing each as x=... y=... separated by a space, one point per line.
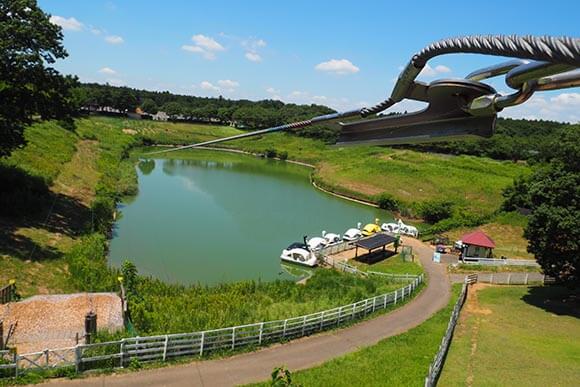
x=69 y=173
x=507 y=231
x=164 y=308
x=509 y=336
x=401 y=360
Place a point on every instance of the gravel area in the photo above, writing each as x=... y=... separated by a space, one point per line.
x=52 y=321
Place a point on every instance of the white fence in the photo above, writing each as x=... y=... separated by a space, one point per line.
x=165 y=347
x=437 y=364
x=345 y=267
x=500 y=262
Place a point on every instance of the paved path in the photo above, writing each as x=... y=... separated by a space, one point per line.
x=299 y=354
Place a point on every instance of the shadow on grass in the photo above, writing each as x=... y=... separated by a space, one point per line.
x=554 y=299
x=375 y=257
x=26 y=202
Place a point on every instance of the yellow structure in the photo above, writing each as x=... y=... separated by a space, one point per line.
x=371 y=228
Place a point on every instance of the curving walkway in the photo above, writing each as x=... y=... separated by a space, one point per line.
x=299 y=354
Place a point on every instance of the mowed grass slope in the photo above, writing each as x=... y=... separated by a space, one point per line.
x=472 y=182
x=30 y=246
x=510 y=336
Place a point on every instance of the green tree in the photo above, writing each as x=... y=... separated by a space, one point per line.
x=29 y=43
x=553 y=230
x=149 y=106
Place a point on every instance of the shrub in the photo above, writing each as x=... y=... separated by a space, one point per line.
x=434 y=211
x=270 y=153
x=103 y=209
x=87 y=265
x=283 y=155
x=386 y=201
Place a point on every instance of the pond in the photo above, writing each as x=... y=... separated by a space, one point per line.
x=212 y=217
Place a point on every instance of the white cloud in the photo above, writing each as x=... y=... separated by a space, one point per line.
x=253 y=56
x=271 y=90
x=116 y=82
x=114 y=39
x=567 y=99
x=206 y=85
x=108 y=71
x=204 y=45
x=228 y=83
x=442 y=69
x=70 y=24
x=252 y=46
x=429 y=71
x=563 y=107
x=338 y=66
x=96 y=31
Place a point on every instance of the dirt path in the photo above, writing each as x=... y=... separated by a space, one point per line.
x=299 y=354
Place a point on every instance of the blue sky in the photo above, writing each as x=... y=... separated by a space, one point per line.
x=341 y=54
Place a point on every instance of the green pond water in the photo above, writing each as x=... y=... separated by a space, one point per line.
x=213 y=217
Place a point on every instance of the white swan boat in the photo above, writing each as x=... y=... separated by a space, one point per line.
x=299 y=253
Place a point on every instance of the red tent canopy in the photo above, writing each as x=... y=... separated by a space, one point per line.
x=478 y=238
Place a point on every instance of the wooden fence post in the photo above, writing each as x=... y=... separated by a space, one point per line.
x=509 y=278
x=527 y=274
x=321 y=321
x=261 y=333
x=303 y=325
x=201 y=344
x=284 y=328
x=395 y=302
x=233 y=337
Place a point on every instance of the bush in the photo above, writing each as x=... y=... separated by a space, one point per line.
x=434 y=211
x=103 y=209
x=283 y=155
x=386 y=201
x=270 y=153
x=87 y=265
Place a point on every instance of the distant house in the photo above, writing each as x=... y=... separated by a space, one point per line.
x=160 y=116
x=477 y=245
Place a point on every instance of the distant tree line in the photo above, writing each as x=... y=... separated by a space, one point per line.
x=513 y=140
x=241 y=113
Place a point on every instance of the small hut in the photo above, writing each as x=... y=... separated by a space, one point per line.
x=477 y=245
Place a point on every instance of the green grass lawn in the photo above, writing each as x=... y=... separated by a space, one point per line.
x=516 y=336
x=395 y=264
x=401 y=360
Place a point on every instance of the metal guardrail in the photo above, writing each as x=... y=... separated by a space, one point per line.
x=437 y=363
x=164 y=347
